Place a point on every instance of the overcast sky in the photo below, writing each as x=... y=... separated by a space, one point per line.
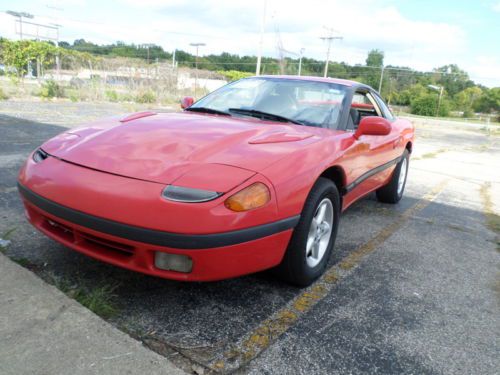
x=419 y=34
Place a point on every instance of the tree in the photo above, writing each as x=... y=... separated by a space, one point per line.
x=465 y=99
x=489 y=101
x=426 y=105
x=18 y=54
x=452 y=78
x=375 y=58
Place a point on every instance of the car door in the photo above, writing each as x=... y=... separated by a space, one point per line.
x=370 y=155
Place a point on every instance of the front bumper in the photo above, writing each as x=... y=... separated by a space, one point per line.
x=214 y=256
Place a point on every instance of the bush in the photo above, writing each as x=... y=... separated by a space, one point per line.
x=426 y=105
x=3 y=96
x=146 y=97
x=468 y=113
x=111 y=95
x=51 y=89
x=234 y=75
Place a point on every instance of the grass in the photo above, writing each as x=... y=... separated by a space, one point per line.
x=492 y=219
x=433 y=154
x=23 y=262
x=456 y=119
x=5 y=236
x=8 y=234
x=101 y=300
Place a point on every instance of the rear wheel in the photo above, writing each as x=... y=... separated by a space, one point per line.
x=314 y=236
x=393 y=191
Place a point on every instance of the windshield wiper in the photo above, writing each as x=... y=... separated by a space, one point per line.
x=207 y=110
x=263 y=115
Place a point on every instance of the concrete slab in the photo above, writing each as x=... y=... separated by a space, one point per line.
x=45 y=332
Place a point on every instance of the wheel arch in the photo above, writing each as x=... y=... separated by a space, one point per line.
x=337 y=175
x=409 y=146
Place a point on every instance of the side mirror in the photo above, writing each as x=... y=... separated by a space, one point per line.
x=373 y=125
x=187 y=102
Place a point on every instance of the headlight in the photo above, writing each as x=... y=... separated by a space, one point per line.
x=253 y=196
x=39 y=155
x=188 y=195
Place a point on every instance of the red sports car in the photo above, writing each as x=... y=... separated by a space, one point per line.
x=253 y=176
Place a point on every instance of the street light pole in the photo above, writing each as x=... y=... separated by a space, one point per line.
x=300 y=60
x=440 y=89
x=197 y=45
x=439 y=101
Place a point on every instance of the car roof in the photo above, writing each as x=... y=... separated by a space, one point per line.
x=344 y=82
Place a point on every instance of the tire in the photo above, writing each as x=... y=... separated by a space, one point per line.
x=393 y=191
x=306 y=258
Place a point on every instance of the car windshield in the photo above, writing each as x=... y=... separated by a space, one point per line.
x=302 y=102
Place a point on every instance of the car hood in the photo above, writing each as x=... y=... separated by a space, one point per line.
x=163 y=147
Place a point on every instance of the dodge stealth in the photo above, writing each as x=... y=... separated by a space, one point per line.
x=251 y=177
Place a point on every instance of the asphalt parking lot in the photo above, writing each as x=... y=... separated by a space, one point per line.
x=412 y=288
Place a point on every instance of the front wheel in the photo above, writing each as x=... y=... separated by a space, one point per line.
x=314 y=236
x=392 y=192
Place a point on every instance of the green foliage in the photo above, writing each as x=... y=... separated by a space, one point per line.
x=488 y=102
x=146 y=97
x=17 y=54
x=51 y=89
x=401 y=85
x=452 y=78
x=3 y=96
x=112 y=95
x=74 y=97
x=375 y=58
x=406 y=96
x=99 y=299
x=426 y=104
x=234 y=75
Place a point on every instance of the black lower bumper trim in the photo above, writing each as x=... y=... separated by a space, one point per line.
x=156 y=237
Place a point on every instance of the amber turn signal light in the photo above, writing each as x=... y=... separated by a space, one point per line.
x=253 y=196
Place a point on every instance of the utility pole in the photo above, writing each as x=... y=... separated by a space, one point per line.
x=381 y=79
x=300 y=60
x=261 y=41
x=197 y=45
x=329 y=38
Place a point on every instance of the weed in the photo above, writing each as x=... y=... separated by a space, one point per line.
x=492 y=219
x=146 y=97
x=433 y=154
x=101 y=300
x=23 y=262
x=51 y=89
x=112 y=96
x=3 y=95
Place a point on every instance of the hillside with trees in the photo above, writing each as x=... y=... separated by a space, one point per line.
x=447 y=89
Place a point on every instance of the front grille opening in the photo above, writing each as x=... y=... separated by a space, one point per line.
x=60 y=230
x=88 y=241
x=102 y=244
